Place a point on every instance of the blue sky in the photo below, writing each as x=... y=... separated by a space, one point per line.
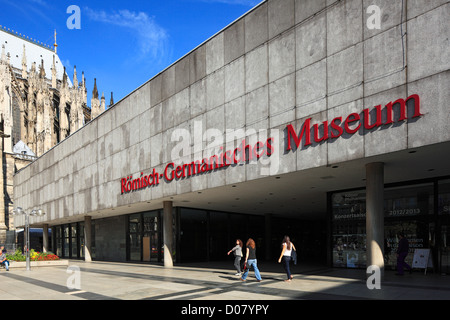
x=122 y=43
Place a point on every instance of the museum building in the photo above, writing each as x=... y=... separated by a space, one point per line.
x=302 y=117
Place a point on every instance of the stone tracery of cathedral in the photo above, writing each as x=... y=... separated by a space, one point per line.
x=39 y=107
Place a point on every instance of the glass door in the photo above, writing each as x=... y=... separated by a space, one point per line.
x=143 y=237
x=135 y=237
x=444 y=217
x=150 y=236
x=445 y=248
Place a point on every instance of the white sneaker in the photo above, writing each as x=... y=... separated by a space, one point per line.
x=237 y=274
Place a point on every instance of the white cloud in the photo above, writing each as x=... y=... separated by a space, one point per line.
x=152 y=38
x=40 y=2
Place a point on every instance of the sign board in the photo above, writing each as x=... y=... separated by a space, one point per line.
x=422 y=259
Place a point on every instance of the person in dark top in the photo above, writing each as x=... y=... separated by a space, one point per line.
x=3 y=260
x=402 y=252
x=250 y=260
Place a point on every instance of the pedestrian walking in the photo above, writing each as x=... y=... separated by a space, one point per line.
x=402 y=252
x=237 y=256
x=287 y=247
x=250 y=260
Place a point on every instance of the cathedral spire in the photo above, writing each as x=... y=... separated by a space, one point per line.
x=54 y=73
x=64 y=80
x=75 y=80
x=95 y=91
x=24 y=63
x=102 y=103
x=111 y=101
x=42 y=70
x=3 y=53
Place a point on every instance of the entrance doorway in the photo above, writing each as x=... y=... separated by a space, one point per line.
x=150 y=247
x=205 y=235
x=144 y=240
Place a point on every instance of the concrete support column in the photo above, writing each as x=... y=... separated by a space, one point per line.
x=45 y=238
x=168 y=233
x=87 y=238
x=268 y=235
x=375 y=214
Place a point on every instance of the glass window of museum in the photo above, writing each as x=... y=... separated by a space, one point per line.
x=420 y=209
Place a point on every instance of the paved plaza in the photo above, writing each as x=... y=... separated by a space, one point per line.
x=211 y=281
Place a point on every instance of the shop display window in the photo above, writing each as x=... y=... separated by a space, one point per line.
x=444 y=197
x=408 y=200
x=349 y=229
x=406 y=209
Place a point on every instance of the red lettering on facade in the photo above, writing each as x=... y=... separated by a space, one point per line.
x=305 y=131
x=129 y=184
x=353 y=117
x=223 y=159
x=369 y=119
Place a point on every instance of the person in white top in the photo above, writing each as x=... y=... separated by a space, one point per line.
x=285 y=256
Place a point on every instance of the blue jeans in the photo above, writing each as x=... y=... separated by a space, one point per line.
x=286 y=261
x=251 y=263
x=6 y=264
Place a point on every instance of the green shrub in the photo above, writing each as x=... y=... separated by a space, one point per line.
x=16 y=256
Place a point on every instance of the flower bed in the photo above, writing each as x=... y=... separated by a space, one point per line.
x=37 y=259
x=34 y=256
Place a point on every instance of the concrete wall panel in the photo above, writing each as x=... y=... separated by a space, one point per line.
x=304 y=9
x=311 y=41
x=281 y=16
x=344 y=25
x=428 y=43
x=384 y=61
x=433 y=127
x=282 y=56
x=234 y=41
x=311 y=89
x=215 y=53
x=256 y=27
x=345 y=75
x=256 y=68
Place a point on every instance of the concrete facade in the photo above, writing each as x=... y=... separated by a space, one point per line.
x=282 y=63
